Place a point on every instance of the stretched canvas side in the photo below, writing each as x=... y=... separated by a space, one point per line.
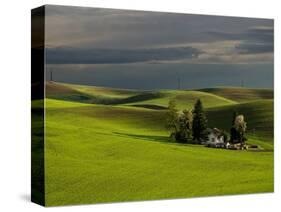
x=37 y=105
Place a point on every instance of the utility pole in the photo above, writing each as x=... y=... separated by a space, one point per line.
x=51 y=73
x=242 y=83
x=179 y=83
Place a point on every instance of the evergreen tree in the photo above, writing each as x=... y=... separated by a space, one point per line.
x=233 y=132
x=234 y=136
x=199 y=126
x=234 y=115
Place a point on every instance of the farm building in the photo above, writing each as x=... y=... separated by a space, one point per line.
x=215 y=138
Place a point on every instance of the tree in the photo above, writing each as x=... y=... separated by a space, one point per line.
x=234 y=115
x=237 y=131
x=240 y=126
x=185 y=126
x=172 y=118
x=199 y=127
x=225 y=137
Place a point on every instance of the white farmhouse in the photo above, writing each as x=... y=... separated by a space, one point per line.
x=215 y=138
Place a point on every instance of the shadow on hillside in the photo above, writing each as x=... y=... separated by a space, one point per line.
x=103 y=100
x=155 y=138
x=150 y=106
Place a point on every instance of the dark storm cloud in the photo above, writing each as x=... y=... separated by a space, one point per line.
x=109 y=28
x=117 y=56
x=258 y=41
x=258 y=34
x=262 y=34
x=255 y=48
x=253 y=41
x=150 y=50
x=127 y=36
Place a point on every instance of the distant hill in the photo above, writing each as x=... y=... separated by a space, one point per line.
x=61 y=91
x=148 y=99
x=240 y=94
x=86 y=94
x=184 y=99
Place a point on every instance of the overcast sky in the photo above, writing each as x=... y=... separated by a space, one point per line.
x=134 y=49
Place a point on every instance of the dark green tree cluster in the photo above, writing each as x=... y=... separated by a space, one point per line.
x=187 y=126
x=191 y=126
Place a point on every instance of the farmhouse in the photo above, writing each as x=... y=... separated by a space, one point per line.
x=215 y=138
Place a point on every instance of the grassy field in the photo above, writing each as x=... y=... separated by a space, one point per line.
x=110 y=145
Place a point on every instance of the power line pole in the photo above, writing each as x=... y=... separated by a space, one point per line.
x=179 y=83
x=242 y=83
x=51 y=73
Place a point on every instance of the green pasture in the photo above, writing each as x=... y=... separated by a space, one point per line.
x=111 y=145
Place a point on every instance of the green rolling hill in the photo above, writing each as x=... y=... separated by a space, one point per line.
x=113 y=146
x=150 y=99
x=259 y=116
x=240 y=94
x=184 y=99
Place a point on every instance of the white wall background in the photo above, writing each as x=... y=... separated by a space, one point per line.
x=15 y=104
